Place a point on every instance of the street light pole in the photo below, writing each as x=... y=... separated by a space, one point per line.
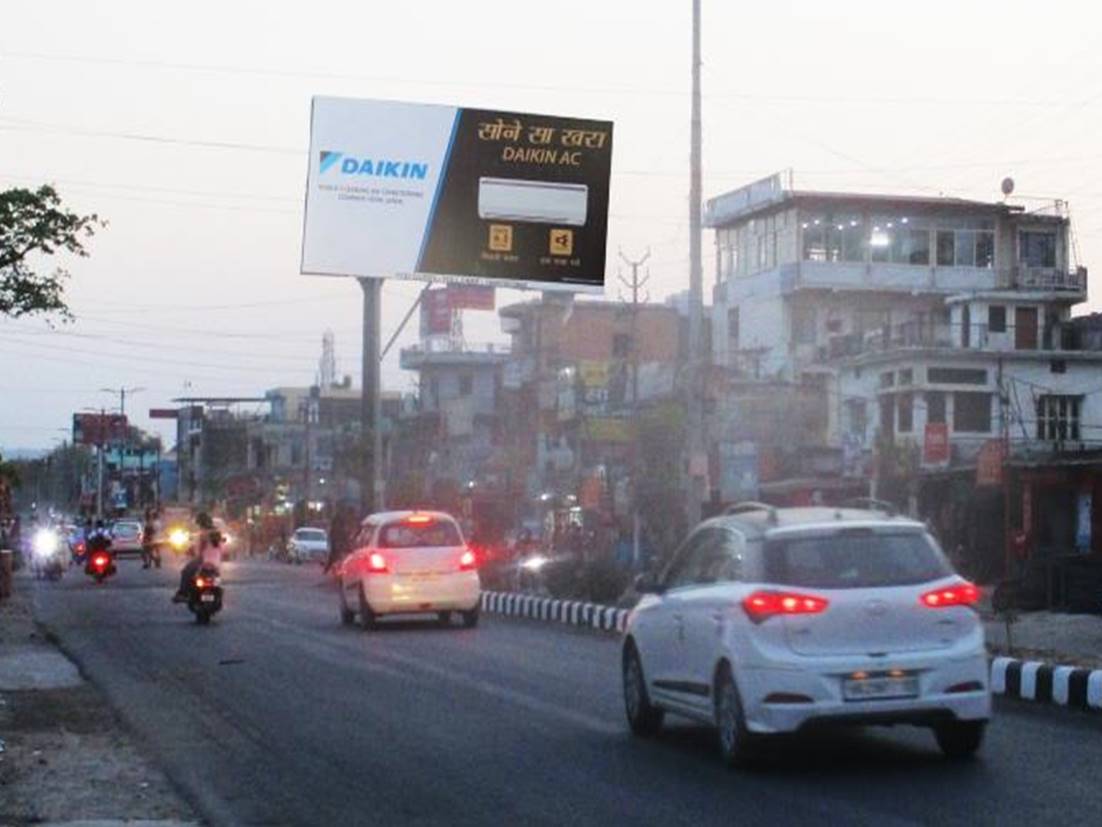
x=695 y=496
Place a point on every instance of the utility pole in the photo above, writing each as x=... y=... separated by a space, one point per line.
x=125 y=447
x=370 y=400
x=635 y=285
x=695 y=494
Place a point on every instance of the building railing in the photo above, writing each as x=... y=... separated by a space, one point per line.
x=1022 y=277
x=452 y=346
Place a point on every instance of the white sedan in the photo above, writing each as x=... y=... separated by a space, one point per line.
x=409 y=562
x=774 y=620
x=308 y=545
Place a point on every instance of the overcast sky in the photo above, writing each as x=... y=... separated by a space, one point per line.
x=194 y=288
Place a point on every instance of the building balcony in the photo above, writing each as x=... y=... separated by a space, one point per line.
x=439 y=353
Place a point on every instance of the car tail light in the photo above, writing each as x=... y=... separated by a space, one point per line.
x=762 y=605
x=376 y=563
x=419 y=519
x=467 y=561
x=958 y=594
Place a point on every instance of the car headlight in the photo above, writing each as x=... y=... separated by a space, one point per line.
x=534 y=563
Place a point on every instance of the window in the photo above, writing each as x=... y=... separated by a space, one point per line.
x=733 y=326
x=972 y=412
x=621 y=345
x=956 y=376
x=466 y=384
x=946 y=248
x=830 y=237
x=1037 y=249
x=910 y=246
x=996 y=318
x=855 y=558
x=887 y=379
x=1058 y=418
x=935 y=406
x=858 y=416
x=803 y=325
x=985 y=249
x=907 y=376
x=887 y=416
x=906 y=412
x=434 y=533
x=695 y=558
x=966 y=249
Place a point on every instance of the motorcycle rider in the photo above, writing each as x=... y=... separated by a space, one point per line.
x=208 y=552
x=97 y=540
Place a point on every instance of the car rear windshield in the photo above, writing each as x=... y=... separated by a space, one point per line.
x=416 y=535
x=312 y=534
x=127 y=529
x=854 y=559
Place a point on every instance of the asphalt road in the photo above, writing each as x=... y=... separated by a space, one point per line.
x=275 y=714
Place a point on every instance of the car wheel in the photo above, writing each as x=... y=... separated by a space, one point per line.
x=960 y=739
x=470 y=619
x=347 y=615
x=367 y=616
x=735 y=740
x=444 y=618
x=644 y=718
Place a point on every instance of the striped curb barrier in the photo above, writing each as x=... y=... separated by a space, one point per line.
x=569 y=612
x=1032 y=680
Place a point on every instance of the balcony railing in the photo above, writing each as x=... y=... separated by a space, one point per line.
x=1043 y=278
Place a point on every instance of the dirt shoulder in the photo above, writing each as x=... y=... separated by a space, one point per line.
x=64 y=754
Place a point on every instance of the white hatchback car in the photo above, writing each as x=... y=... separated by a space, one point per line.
x=772 y=620
x=409 y=562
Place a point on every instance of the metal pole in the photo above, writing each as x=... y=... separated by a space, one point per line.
x=370 y=402
x=694 y=495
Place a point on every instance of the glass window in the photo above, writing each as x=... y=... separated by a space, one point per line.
x=906 y=412
x=935 y=406
x=966 y=248
x=1037 y=249
x=972 y=412
x=996 y=318
x=887 y=379
x=733 y=325
x=907 y=376
x=419 y=535
x=985 y=249
x=696 y=555
x=956 y=376
x=855 y=558
x=946 y=248
x=853 y=239
x=910 y=246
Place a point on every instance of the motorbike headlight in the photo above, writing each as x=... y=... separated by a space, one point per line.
x=178 y=537
x=534 y=563
x=46 y=543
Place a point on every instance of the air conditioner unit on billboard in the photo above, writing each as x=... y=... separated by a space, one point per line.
x=540 y=202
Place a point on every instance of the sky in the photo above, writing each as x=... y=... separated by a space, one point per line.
x=185 y=126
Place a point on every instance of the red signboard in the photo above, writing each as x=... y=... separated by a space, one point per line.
x=436 y=313
x=935 y=447
x=470 y=297
x=163 y=413
x=98 y=429
x=989 y=467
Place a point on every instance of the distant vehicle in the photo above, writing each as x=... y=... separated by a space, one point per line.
x=769 y=620
x=308 y=545
x=126 y=537
x=204 y=594
x=409 y=562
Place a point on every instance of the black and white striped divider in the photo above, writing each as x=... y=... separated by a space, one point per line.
x=1033 y=680
x=569 y=612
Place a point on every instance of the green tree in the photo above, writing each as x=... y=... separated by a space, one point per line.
x=33 y=223
x=9 y=480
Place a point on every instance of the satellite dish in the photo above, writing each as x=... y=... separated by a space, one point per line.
x=1007 y=186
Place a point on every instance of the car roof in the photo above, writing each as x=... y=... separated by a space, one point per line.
x=766 y=520
x=395 y=516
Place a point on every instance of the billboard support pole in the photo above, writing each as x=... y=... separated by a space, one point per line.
x=370 y=401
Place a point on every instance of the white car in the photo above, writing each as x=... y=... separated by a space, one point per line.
x=308 y=545
x=126 y=537
x=772 y=620
x=409 y=562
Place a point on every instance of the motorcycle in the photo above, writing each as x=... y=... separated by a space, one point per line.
x=46 y=556
x=204 y=594
x=100 y=565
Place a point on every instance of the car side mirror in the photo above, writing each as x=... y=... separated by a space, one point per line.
x=647 y=583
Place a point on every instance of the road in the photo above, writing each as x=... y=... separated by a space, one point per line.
x=275 y=714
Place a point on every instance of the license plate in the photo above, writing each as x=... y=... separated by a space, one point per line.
x=880 y=687
x=206 y=598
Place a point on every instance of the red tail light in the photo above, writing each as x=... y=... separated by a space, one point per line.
x=468 y=561
x=419 y=519
x=99 y=561
x=762 y=605
x=376 y=563
x=200 y=583
x=958 y=594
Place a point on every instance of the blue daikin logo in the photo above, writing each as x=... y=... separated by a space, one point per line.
x=372 y=167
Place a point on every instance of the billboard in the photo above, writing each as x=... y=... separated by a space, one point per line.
x=98 y=429
x=444 y=193
x=436 y=313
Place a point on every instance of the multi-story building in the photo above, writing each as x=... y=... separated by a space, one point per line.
x=931 y=337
